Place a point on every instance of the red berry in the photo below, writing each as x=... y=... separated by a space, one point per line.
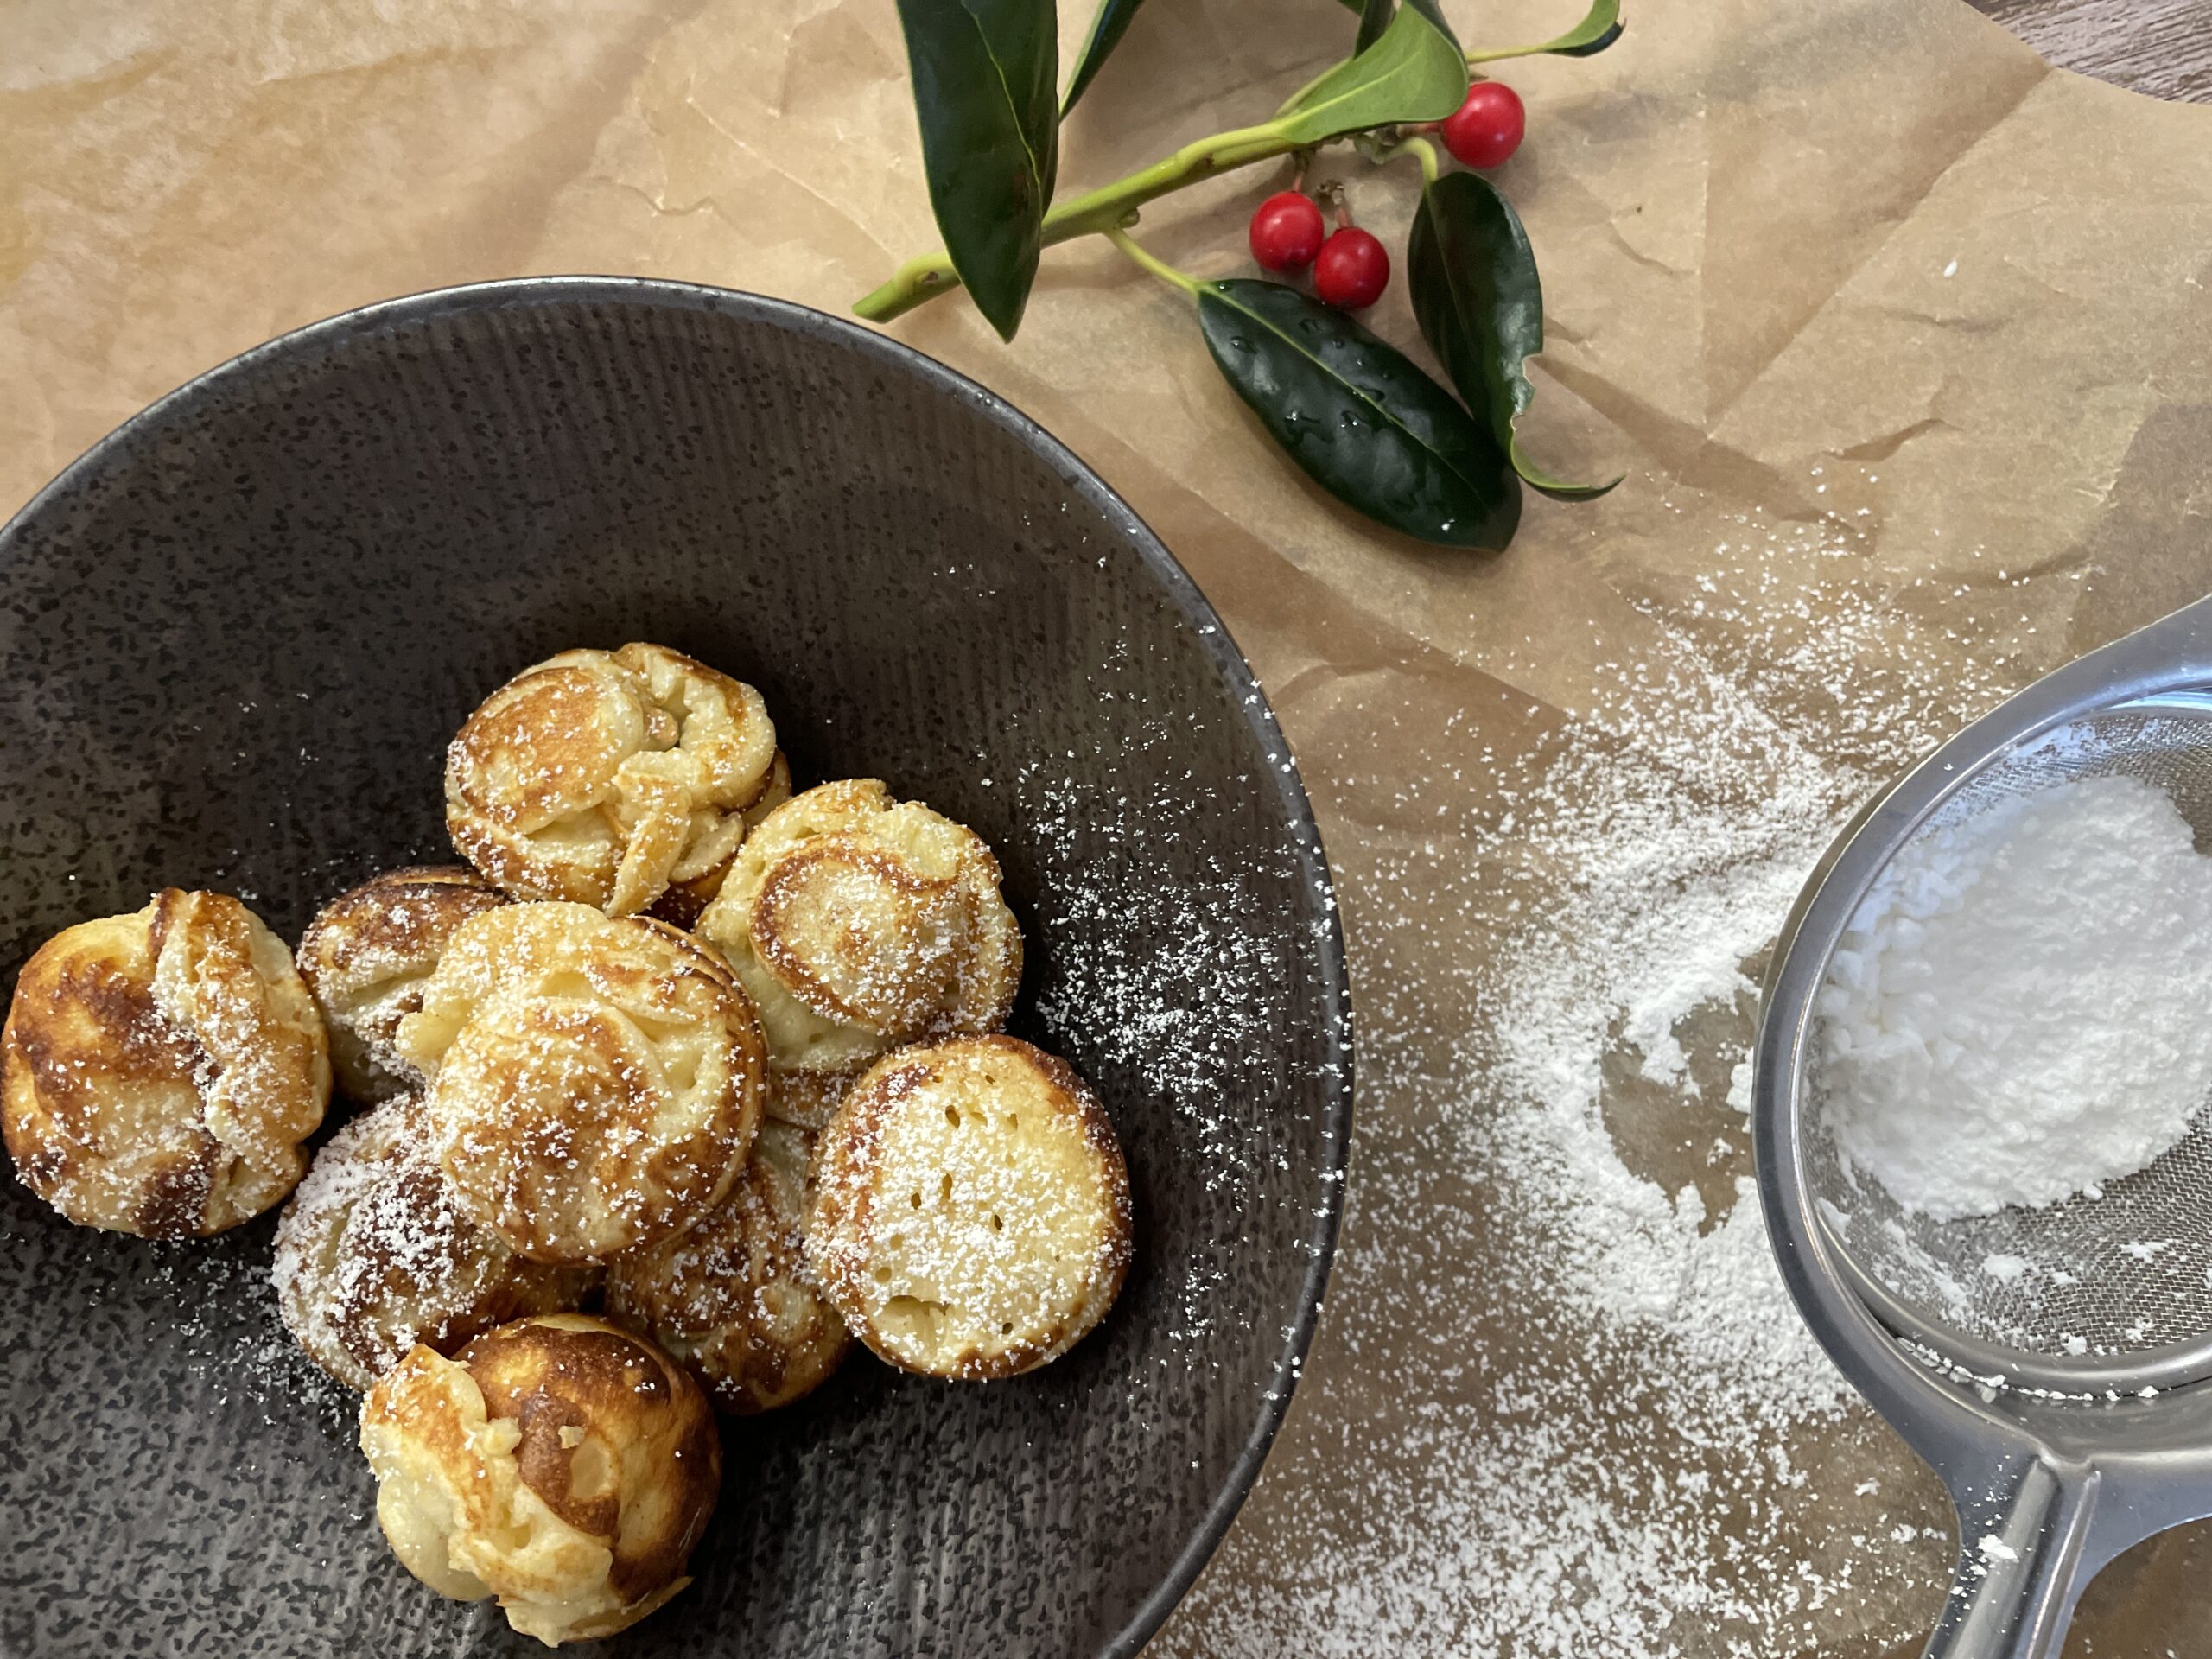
x=1351 y=269
x=1286 y=232
x=1486 y=129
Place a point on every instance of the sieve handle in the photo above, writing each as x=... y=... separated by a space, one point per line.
x=2022 y=1531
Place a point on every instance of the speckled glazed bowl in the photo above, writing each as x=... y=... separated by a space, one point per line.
x=234 y=639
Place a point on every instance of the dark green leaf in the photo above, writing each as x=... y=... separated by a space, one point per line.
x=1111 y=22
x=1481 y=308
x=1435 y=13
x=1415 y=72
x=1600 y=27
x=1591 y=47
x=1360 y=417
x=984 y=87
x=1374 y=16
x=1476 y=294
x=1557 y=488
x=1596 y=31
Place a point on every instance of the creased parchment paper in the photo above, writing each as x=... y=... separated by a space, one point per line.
x=1903 y=339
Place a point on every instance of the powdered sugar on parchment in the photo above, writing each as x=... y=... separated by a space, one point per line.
x=1576 y=1415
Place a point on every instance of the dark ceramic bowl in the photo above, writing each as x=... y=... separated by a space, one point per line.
x=234 y=639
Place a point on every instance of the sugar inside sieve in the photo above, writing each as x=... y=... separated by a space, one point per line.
x=2093 y=1294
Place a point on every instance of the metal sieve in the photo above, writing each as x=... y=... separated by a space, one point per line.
x=2067 y=1408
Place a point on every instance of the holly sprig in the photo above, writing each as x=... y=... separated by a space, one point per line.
x=1363 y=420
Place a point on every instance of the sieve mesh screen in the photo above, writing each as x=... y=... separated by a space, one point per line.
x=2126 y=1274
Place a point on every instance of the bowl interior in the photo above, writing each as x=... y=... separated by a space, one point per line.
x=234 y=639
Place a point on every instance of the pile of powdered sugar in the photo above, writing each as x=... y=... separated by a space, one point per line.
x=2017 y=1013
x=1563 y=1407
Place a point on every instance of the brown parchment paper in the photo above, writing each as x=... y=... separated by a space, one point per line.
x=1787 y=245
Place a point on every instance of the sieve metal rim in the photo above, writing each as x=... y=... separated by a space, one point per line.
x=2087 y=1377
x=2171 y=1365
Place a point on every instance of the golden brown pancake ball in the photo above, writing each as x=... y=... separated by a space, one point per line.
x=731 y=1297
x=375 y=1254
x=972 y=1218
x=160 y=1071
x=858 y=923
x=562 y=1464
x=594 y=1081
x=607 y=778
x=366 y=956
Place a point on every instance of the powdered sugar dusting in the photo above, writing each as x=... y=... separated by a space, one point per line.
x=1189 y=1009
x=1567 y=1406
x=374 y=1254
x=234 y=1345
x=1170 y=980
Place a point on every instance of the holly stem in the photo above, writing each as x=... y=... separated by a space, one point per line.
x=1095 y=212
x=1419 y=148
x=1111 y=206
x=1159 y=268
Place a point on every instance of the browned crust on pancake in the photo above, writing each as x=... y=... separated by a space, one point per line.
x=374 y=1255
x=382 y=934
x=600 y=777
x=732 y=1298
x=842 y=1225
x=575 y=1373
x=551 y=1093
x=408 y=913
x=159 y=1071
x=779 y=915
x=808 y=1099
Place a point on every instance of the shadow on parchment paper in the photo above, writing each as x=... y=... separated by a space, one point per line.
x=2151 y=551
x=2150 y=1602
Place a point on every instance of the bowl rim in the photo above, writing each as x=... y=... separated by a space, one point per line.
x=1197 y=613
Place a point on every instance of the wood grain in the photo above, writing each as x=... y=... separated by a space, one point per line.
x=2163 y=48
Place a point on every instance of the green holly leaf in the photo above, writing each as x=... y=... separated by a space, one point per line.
x=1414 y=71
x=1481 y=309
x=1596 y=31
x=1107 y=25
x=1359 y=416
x=1374 y=16
x=984 y=73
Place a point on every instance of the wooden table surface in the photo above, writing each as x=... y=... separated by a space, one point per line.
x=2160 y=46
